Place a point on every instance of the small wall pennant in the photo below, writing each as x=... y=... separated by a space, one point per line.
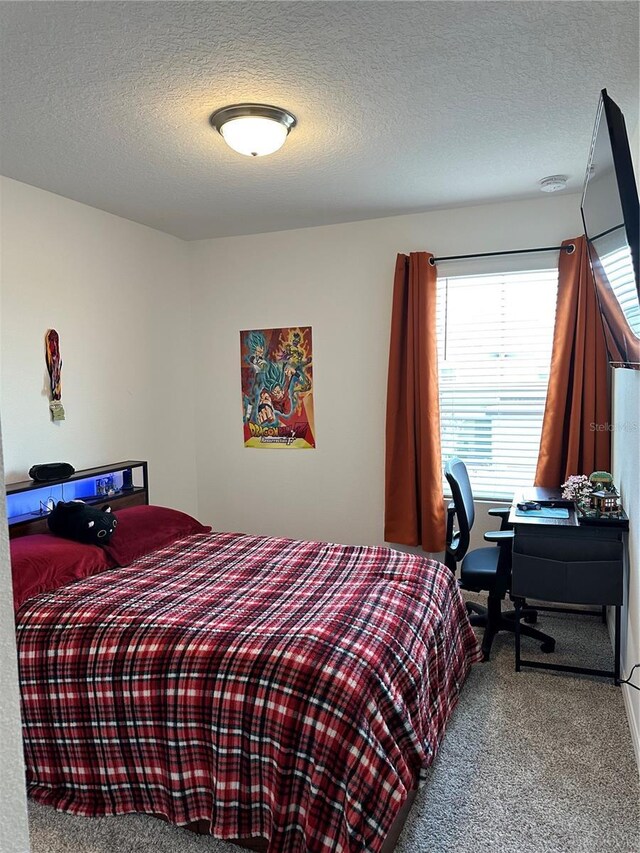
x=54 y=366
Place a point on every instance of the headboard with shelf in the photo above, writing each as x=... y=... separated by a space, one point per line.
x=24 y=516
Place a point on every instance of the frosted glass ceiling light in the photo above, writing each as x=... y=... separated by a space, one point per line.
x=253 y=129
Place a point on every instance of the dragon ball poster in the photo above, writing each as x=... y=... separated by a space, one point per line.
x=277 y=388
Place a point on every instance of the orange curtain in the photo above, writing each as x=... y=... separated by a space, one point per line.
x=414 y=503
x=575 y=431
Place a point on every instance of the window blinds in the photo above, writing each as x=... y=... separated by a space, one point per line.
x=618 y=267
x=495 y=334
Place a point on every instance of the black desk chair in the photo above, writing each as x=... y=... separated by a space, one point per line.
x=484 y=569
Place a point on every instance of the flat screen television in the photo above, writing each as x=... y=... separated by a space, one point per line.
x=611 y=218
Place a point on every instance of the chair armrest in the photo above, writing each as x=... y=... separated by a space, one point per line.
x=500 y=537
x=501 y=512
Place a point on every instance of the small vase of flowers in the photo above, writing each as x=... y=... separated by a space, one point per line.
x=578 y=489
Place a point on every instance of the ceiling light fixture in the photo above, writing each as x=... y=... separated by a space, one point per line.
x=253 y=129
x=553 y=183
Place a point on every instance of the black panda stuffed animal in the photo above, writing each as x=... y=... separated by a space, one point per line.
x=81 y=522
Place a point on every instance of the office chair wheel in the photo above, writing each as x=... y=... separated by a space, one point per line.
x=548 y=646
x=530 y=617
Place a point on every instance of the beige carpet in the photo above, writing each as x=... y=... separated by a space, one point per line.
x=532 y=762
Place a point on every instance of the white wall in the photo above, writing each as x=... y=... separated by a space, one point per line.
x=13 y=800
x=626 y=474
x=118 y=294
x=337 y=279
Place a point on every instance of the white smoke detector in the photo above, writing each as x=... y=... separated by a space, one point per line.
x=553 y=184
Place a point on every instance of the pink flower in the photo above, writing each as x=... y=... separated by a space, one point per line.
x=577 y=488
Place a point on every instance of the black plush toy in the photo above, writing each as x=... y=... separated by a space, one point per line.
x=81 y=522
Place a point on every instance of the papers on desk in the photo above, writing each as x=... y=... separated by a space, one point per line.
x=544 y=512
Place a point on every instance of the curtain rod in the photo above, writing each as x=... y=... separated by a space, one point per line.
x=570 y=249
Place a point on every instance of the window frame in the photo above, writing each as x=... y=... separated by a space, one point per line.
x=533 y=394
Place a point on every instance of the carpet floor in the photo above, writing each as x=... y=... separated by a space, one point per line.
x=532 y=762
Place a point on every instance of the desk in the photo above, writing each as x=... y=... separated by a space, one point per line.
x=561 y=560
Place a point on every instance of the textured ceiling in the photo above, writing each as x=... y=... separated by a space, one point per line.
x=401 y=106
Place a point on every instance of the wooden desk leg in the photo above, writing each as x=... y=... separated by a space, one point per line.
x=518 y=604
x=616 y=647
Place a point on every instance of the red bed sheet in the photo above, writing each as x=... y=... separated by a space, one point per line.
x=291 y=690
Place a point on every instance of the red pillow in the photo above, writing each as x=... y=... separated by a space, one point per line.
x=143 y=529
x=42 y=562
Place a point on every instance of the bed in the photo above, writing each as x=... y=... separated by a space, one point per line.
x=283 y=694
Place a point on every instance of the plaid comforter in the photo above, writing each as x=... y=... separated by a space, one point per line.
x=277 y=688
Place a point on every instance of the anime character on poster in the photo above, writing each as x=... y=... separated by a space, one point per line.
x=277 y=388
x=54 y=367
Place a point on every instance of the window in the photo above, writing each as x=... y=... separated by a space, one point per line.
x=495 y=334
x=618 y=268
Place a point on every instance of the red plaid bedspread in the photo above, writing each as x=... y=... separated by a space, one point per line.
x=277 y=688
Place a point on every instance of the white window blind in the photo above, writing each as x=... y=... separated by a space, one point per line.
x=495 y=334
x=618 y=267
